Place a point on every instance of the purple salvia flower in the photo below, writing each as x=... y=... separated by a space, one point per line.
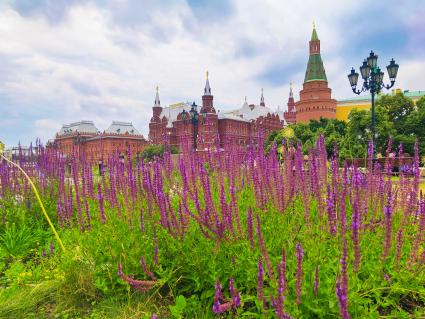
x=250 y=227
x=120 y=273
x=299 y=274
x=154 y=316
x=330 y=208
x=51 y=248
x=146 y=269
x=84 y=194
x=260 y=281
x=77 y=192
x=283 y=269
x=182 y=221
x=389 y=161
x=316 y=281
x=388 y=211
x=414 y=190
x=236 y=297
x=263 y=248
x=141 y=221
x=342 y=284
x=217 y=297
x=156 y=249
x=399 y=246
x=355 y=223
x=388 y=279
x=234 y=205
x=277 y=303
x=101 y=208
x=413 y=258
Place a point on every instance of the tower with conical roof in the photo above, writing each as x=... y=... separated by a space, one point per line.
x=262 y=103
x=290 y=115
x=315 y=97
x=157 y=108
x=156 y=125
x=207 y=98
x=208 y=120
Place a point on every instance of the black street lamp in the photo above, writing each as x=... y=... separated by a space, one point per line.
x=194 y=117
x=373 y=79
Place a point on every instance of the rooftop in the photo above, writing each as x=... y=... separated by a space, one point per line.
x=79 y=127
x=366 y=97
x=88 y=127
x=122 y=128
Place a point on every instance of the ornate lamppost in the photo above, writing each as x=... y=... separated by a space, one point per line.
x=194 y=118
x=373 y=81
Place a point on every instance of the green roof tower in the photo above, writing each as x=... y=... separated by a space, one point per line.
x=315 y=69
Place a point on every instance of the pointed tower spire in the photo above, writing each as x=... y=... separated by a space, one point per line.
x=290 y=115
x=314 y=36
x=315 y=70
x=207 y=89
x=262 y=98
x=207 y=98
x=245 y=103
x=291 y=102
x=157 y=101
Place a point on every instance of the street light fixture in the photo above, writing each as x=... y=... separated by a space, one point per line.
x=193 y=115
x=373 y=81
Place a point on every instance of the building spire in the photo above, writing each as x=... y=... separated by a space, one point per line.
x=245 y=103
x=314 y=36
x=291 y=94
x=262 y=98
x=207 y=89
x=157 y=101
x=315 y=70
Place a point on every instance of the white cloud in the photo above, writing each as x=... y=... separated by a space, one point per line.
x=44 y=127
x=103 y=63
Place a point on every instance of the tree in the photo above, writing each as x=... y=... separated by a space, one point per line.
x=396 y=118
x=153 y=151
x=398 y=107
x=307 y=134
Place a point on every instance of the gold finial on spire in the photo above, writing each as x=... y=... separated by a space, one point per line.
x=290 y=85
x=314 y=25
x=157 y=89
x=207 y=74
x=245 y=98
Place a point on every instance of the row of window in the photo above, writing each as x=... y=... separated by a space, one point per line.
x=319 y=108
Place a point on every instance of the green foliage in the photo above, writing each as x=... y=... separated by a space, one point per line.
x=178 y=309
x=83 y=281
x=16 y=242
x=396 y=117
x=153 y=151
x=334 y=132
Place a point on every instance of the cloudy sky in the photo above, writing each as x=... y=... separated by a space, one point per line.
x=66 y=60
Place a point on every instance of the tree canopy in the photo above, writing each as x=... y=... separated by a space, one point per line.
x=397 y=117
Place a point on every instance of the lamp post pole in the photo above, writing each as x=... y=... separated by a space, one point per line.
x=194 y=118
x=373 y=119
x=373 y=81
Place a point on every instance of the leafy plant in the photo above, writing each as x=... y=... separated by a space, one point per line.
x=16 y=241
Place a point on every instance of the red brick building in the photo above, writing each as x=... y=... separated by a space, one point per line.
x=210 y=129
x=84 y=138
x=315 y=97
